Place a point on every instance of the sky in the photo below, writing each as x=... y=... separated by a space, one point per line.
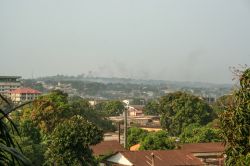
x=176 y=40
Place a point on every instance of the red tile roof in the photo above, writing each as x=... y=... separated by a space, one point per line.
x=107 y=147
x=204 y=147
x=161 y=158
x=25 y=90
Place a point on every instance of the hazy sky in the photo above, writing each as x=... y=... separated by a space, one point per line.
x=182 y=40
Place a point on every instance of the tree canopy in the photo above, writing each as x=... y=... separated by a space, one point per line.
x=159 y=140
x=135 y=135
x=10 y=151
x=70 y=141
x=222 y=103
x=111 y=108
x=235 y=124
x=54 y=108
x=199 y=134
x=180 y=109
x=46 y=118
x=151 y=108
x=50 y=110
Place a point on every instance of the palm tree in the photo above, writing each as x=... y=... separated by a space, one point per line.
x=10 y=152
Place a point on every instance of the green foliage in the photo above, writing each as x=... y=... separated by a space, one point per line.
x=28 y=129
x=111 y=108
x=34 y=151
x=82 y=107
x=135 y=135
x=222 y=103
x=159 y=140
x=38 y=123
x=70 y=141
x=151 y=108
x=180 y=109
x=10 y=152
x=235 y=124
x=195 y=133
x=29 y=138
x=50 y=110
x=54 y=108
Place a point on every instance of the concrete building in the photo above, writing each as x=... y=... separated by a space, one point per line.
x=9 y=83
x=23 y=94
x=135 y=110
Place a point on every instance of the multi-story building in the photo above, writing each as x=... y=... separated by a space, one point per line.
x=9 y=83
x=23 y=94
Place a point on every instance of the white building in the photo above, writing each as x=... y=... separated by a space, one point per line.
x=9 y=83
x=135 y=110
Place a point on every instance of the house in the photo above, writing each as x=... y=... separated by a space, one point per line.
x=141 y=121
x=135 y=110
x=23 y=94
x=9 y=83
x=107 y=148
x=209 y=153
x=153 y=158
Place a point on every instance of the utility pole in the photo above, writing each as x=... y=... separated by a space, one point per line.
x=125 y=126
x=125 y=122
x=119 y=132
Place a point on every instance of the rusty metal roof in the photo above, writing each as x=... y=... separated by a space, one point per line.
x=204 y=147
x=161 y=158
x=107 y=147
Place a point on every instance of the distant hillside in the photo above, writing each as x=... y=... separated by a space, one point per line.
x=115 y=80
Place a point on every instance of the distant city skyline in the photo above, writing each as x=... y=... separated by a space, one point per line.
x=175 y=40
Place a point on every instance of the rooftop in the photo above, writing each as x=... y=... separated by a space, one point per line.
x=161 y=157
x=10 y=77
x=107 y=147
x=25 y=90
x=204 y=147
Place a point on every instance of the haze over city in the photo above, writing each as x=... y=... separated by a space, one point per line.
x=169 y=40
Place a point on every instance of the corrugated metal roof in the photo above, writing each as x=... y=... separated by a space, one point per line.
x=107 y=147
x=161 y=158
x=204 y=147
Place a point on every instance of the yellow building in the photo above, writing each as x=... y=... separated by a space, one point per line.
x=24 y=94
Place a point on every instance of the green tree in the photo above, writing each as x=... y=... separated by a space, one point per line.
x=222 y=103
x=37 y=122
x=31 y=141
x=54 y=108
x=111 y=108
x=70 y=141
x=195 y=133
x=29 y=138
x=33 y=151
x=135 y=135
x=82 y=107
x=180 y=109
x=151 y=108
x=159 y=140
x=235 y=124
x=50 y=110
